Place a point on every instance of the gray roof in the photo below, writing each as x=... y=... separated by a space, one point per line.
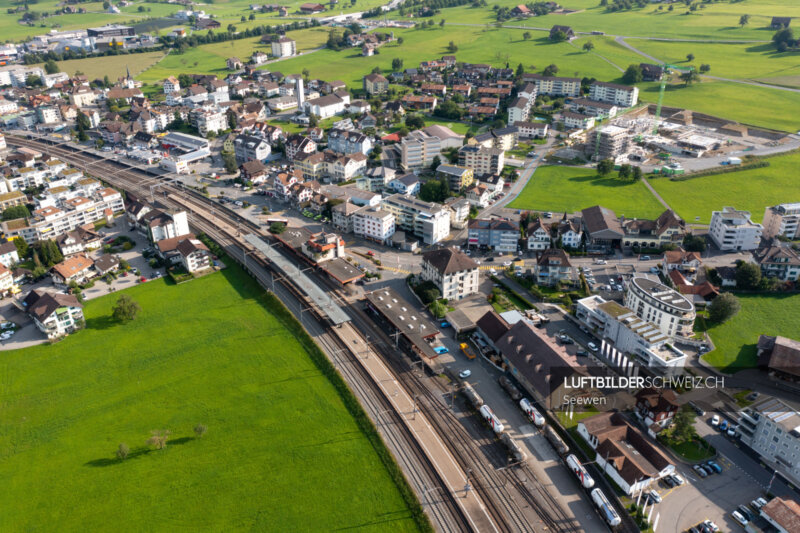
x=449 y=261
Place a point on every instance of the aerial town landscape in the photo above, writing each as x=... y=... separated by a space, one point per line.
x=406 y=265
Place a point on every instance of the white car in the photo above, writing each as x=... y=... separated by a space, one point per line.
x=715 y=420
x=6 y=325
x=492 y=271
x=712 y=525
x=506 y=264
x=464 y=374
x=739 y=518
x=592 y=346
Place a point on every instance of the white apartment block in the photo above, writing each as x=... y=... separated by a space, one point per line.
x=454 y=273
x=518 y=110
x=418 y=149
x=772 y=429
x=169 y=225
x=482 y=160
x=373 y=224
x=7 y=106
x=731 y=229
x=428 y=221
x=208 y=120
x=783 y=219
x=48 y=115
x=672 y=312
x=613 y=93
x=554 y=86
x=284 y=47
x=171 y=85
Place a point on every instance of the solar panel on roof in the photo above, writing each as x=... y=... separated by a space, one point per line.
x=784 y=416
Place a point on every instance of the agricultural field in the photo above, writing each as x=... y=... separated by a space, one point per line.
x=751 y=190
x=761 y=314
x=570 y=189
x=211 y=352
x=113 y=67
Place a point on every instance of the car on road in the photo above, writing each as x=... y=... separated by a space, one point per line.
x=715 y=421
x=492 y=271
x=506 y=264
x=464 y=374
x=739 y=518
x=565 y=339
x=581 y=353
x=592 y=346
x=599 y=261
x=490 y=259
x=700 y=471
x=654 y=270
x=644 y=258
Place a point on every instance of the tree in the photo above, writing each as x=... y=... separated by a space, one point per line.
x=51 y=67
x=705 y=67
x=683 y=424
x=526 y=35
x=252 y=16
x=723 y=307
x=415 y=122
x=550 y=70
x=400 y=41
x=624 y=171
x=231 y=28
x=588 y=46
x=748 y=276
x=22 y=247
x=123 y=451
x=159 y=438
x=306 y=74
x=689 y=77
x=633 y=74
x=229 y=159
x=441 y=23
x=783 y=39
x=689 y=57
x=397 y=64
x=605 y=167
x=558 y=36
x=232 y=121
x=277 y=228
x=435 y=163
x=636 y=173
x=125 y=309
x=694 y=243
x=520 y=71
x=200 y=430
x=17 y=211
x=452 y=48
x=744 y=20
x=33 y=81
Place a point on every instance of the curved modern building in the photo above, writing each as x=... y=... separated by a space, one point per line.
x=654 y=302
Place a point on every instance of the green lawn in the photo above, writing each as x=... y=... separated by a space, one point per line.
x=570 y=189
x=752 y=190
x=761 y=314
x=113 y=67
x=282 y=452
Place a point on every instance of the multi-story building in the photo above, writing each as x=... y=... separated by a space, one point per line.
x=249 y=148
x=55 y=314
x=539 y=236
x=48 y=114
x=376 y=179
x=613 y=93
x=732 y=229
x=418 y=149
x=532 y=130
x=407 y=184
x=321 y=247
x=194 y=254
x=497 y=234
x=454 y=273
x=342 y=216
x=613 y=142
x=299 y=144
x=502 y=138
x=375 y=84
x=374 y=224
x=594 y=108
x=672 y=312
x=553 y=267
x=554 y=86
x=772 y=429
x=518 y=110
x=207 y=120
x=620 y=329
x=8 y=254
x=577 y=121
x=171 y=85
x=482 y=160
x=778 y=261
x=457 y=177
x=348 y=142
x=668 y=228
x=783 y=219
x=428 y=221
x=283 y=47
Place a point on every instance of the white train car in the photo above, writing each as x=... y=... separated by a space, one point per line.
x=583 y=476
x=606 y=510
x=535 y=416
x=488 y=414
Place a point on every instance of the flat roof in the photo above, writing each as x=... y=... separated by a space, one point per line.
x=405 y=318
x=320 y=298
x=341 y=270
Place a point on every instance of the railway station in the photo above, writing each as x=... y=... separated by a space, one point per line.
x=326 y=256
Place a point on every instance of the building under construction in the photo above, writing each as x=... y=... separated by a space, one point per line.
x=607 y=142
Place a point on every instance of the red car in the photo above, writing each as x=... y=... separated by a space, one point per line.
x=142 y=279
x=370 y=253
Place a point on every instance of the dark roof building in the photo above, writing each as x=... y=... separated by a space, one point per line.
x=779 y=354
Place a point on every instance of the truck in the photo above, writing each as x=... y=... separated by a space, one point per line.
x=465 y=349
x=534 y=415
x=489 y=416
x=578 y=469
x=510 y=388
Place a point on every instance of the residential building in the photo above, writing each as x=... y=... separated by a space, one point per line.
x=8 y=254
x=565 y=30
x=407 y=184
x=12 y=198
x=481 y=160
x=299 y=144
x=680 y=260
x=532 y=130
x=553 y=267
x=518 y=110
x=613 y=93
x=249 y=148
x=46 y=114
x=459 y=211
x=457 y=177
x=782 y=514
x=780 y=355
x=502 y=138
x=374 y=224
x=78 y=240
x=656 y=408
x=623 y=452
x=427 y=221
x=570 y=233
x=499 y=234
x=778 y=261
x=423 y=103
x=772 y=429
x=672 y=312
x=162 y=225
x=348 y=142
x=479 y=196
x=418 y=149
x=342 y=216
x=577 y=121
x=651 y=72
x=613 y=142
x=376 y=179
x=627 y=338
x=666 y=229
x=194 y=254
x=454 y=273
x=554 y=86
x=602 y=227
x=594 y=108
x=782 y=220
x=77 y=268
x=539 y=235
x=283 y=47
x=208 y=120
x=375 y=84
x=731 y=229
x=326 y=106
x=321 y=247
x=55 y=314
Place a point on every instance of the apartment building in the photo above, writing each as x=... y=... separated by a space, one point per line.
x=613 y=93
x=481 y=160
x=348 y=142
x=518 y=110
x=249 y=148
x=457 y=177
x=321 y=247
x=731 y=229
x=374 y=224
x=428 y=221
x=206 y=120
x=554 y=86
x=553 y=267
x=613 y=142
x=171 y=85
x=375 y=84
x=342 y=216
x=594 y=108
x=55 y=314
x=497 y=234
x=672 y=312
x=454 y=273
x=283 y=47
x=778 y=261
x=772 y=429
x=418 y=149
x=783 y=219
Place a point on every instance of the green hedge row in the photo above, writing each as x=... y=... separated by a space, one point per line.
x=715 y=171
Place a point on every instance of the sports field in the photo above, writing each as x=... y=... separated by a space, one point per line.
x=570 y=189
x=282 y=452
x=752 y=190
x=761 y=314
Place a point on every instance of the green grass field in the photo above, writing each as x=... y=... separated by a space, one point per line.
x=761 y=314
x=113 y=67
x=570 y=189
x=282 y=453
x=752 y=190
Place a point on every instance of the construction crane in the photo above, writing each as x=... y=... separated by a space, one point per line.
x=666 y=68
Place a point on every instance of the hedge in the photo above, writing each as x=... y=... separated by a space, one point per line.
x=715 y=171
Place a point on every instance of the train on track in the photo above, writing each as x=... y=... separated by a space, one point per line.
x=491 y=418
x=606 y=509
x=587 y=482
x=558 y=443
x=531 y=412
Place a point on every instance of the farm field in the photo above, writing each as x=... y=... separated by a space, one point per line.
x=113 y=67
x=761 y=314
x=751 y=190
x=570 y=189
x=210 y=351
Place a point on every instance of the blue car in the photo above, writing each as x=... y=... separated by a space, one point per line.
x=723 y=426
x=440 y=350
x=444 y=324
x=715 y=466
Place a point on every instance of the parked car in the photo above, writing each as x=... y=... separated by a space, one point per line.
x=677 y=479
x=697 y=409
x=441 y=350
x=444 y=324
x=715 y=421
x=464 y=374
x=669 y=482
x=714 y=527
x=714 y=466
x=732 y=431
x=654 y=270
x=6 y=325
x=739 y=518
x=723 y=426
x=700 y=471
x=758 y=503
x=654 y=496
x=592 y=346
x=644 y=258
x=747 y=513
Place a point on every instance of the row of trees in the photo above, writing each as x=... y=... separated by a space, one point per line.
x=626 y=171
